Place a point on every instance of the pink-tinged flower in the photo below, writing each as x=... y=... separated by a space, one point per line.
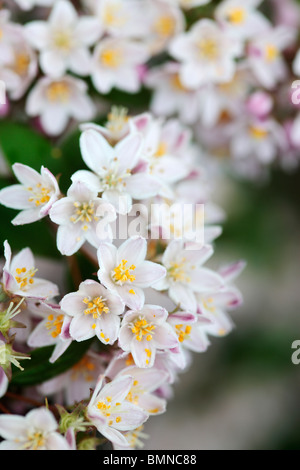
x=169 y=95
x=216 y=305
x=64 y=40
x=52 y=330
x=34 y=196
x=257 y=139
x=113 y=170
x=241 y=20
x=94 y=311
x=29 y=4
x=265 y=57
x=115 y=128
x=126 y=271
x=75 y=384
x=260 y=104
x=166 y=149
x=56 y=101
x=206 y=53
x=145 y=384
x=35 y=431
x=115 y=64
x=19 y=276
x=80 y=216
x=191 y=336
x=186 y=275
x=145 y=331
x=112 y=413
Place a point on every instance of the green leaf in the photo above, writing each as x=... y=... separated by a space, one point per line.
x=20 y=143
x=38 y=369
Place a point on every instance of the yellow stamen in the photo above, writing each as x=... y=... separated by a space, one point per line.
x=142 y=328
x=122 y=274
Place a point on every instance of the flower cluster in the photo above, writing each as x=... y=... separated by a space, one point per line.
x=207 y=64
x=150 y=302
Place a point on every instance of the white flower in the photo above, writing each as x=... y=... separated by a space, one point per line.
x=206 y=53
x=35 y=431
x=166 y=148
x=57 y=101
x=78 y=216
x=77 y=381
x=111 y=413
x=241 y=20
x=18 y=61
x=19 y=276
x=216 y=305
x=265 y=57
x=259 y=139
x=64 y=40
x=34 y=196
x=145 y=331
x=162 y=22
x=94 y=311
x=191 y=331
x=186 y=275
x=145 y=384
x=169 y=95
x=113 y=169
x=115 y=64
x=125 y=270
x=52 y=330
x=115 y=128
x=120 y=18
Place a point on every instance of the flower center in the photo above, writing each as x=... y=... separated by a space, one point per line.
x=208 y=48
x=95 y=307
x=106 y=407
x=39 y=194
x=58 y=92
x=21 y=63
x=54 y=324
x=177 y=84
x=117 y=119
x=122 y=273
x=141 y=328
x=113 y=180
x=111 y=16
x=111 y=57
x=271 y=52
x=209 y=305
x=177 y=272
x=84 y=212
x=237 y=15
x=258 y=133
x=182 y=332
x=35 y=441
x=24 y=277
x=85 y=367
x=165 y=26
x=63 y=40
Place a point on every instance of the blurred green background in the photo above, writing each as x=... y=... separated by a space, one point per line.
x=243 y=393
